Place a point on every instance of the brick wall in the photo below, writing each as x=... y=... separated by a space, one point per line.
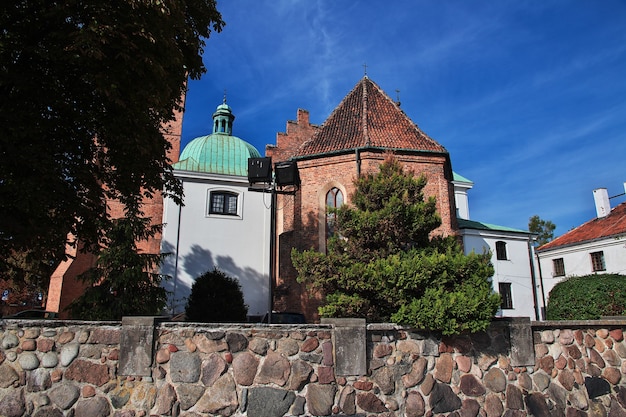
x=65 y=286
x=296 y=133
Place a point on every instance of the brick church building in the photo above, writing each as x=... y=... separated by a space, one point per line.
x=364 y=128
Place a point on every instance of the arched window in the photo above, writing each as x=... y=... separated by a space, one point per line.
x=334 y=199
x=501 y=251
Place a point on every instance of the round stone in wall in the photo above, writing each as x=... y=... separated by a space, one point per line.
x=68 y=353
x=49 y=360
x=9 y=341
x=28 y=361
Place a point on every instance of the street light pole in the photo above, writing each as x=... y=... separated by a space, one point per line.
x=285 y=174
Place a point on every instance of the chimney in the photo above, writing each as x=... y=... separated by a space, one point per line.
x=603 y=206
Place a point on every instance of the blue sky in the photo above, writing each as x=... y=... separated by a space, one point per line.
x=529 y=97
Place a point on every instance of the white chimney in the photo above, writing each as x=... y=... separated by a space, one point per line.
x=603 y=206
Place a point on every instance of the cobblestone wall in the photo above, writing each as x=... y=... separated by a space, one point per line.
x=73 y=369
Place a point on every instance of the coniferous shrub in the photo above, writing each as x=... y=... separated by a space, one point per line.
x=124 y=281
x=588 y=297
x=382 y=263
x=216 y=298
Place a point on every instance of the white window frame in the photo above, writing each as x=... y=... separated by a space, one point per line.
x=226 y=191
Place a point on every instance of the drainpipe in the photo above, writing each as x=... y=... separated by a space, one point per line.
x=180 y=214
x=533 y=278
x=273 y=256
x=543 y=294
x=357 y=155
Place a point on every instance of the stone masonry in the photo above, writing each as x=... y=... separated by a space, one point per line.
x=56 y=368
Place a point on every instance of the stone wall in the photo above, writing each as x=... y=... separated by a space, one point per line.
x=142 y=367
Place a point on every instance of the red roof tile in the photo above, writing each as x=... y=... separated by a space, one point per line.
x=368 y=118
x=612 y=225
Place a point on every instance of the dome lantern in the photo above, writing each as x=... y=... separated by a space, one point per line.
x=223 y=119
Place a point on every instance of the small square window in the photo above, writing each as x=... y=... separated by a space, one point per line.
x=223 y=202
x=504 y=288
x=558 y=267
x=501 y=251
x=597 y=261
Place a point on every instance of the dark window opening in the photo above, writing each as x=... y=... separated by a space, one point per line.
x=223 y=202
x=597 y=261
x=559 y=267
x=501 y=251
x=504 y=288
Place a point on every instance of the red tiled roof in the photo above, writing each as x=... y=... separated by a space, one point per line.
x=368 y=118
x=612 y=225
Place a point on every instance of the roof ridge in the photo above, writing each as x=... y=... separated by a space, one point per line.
x=366 y=135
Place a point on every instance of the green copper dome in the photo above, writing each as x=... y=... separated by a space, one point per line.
x=219 y=152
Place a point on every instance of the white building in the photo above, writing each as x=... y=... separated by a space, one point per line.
x=222 y=224
x=511 y=257
x=597 y=246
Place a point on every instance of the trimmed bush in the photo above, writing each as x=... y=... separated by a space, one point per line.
x=588 y=297
x=216 y=298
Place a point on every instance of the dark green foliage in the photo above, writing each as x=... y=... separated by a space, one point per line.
x=588 y=297
x=382 y=265
x=124 y=282
x=85 y=88
x=544 y=229
x=25 y=275
x=216 y=298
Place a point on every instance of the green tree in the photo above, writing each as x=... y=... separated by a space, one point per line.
x=544 y=229
x=124 y=281
x=26 y=276
x=216 y=298
x=587 y=297
x=85 y=88
x=383 y=264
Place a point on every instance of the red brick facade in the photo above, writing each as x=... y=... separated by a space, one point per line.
x=64 y=283
x=301 y=219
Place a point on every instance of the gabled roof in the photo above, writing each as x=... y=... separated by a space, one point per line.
x=612 y=225
x=368 y=118
x=472 y=224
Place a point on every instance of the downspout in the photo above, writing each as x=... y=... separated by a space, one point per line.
x=180 y=214
x=543 y=294
x=357 y=155
x=533 y=279
x=273 y=256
